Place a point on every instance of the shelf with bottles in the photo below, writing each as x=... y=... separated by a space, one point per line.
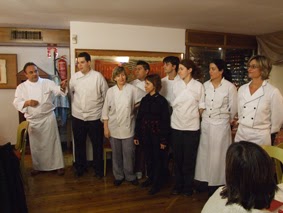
x=236 y=60
x=202 y=56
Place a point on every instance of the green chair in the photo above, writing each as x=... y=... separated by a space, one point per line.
x=277 y=154
x=21 y=146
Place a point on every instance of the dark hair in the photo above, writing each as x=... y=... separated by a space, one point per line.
x=117 y=71
x=85 y=55
x=196 y=73
x=155 y=80
x=249 y=176
x=264 y=65
x=221 y=65
x=173 y=60
x=28 y=64
x=144 y=64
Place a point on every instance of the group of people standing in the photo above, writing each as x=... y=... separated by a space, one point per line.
x=176 y=113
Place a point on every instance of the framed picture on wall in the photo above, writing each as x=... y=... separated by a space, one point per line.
x=8 y=71
x=105 y=61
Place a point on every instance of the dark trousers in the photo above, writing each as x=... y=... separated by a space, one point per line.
x=155 y=159
x=185 y=147
x=139 y=159
x=94 y=129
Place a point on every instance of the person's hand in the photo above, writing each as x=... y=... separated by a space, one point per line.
x=31 y=103
x=136 y=142
x=63 y=85
x=162 y=146
x=106 y=133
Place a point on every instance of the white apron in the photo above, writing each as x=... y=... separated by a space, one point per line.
x=214 y=142
x=221 y=107
x=45 y=143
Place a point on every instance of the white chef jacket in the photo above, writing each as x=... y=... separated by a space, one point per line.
x=188 y=99
x=118 y=109
x=167 y=88
x=88 y=93
x=43 y=131
x=43 y=91
x=260 y=114
x=220 y=102
x=138 y=83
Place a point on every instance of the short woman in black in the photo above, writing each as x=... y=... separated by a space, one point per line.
x=151 y=131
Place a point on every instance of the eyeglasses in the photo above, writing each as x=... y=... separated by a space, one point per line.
x=253 y=66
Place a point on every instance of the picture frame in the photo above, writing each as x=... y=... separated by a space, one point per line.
x=104 y=61
x=8 y=71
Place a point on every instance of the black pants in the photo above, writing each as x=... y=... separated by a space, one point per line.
x=155 y=159
x=185 y=147
x=139 y=159
x=94 y=129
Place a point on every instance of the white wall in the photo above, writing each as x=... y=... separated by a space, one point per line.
x=9 y=119
x=276 y=77
x=125 y=37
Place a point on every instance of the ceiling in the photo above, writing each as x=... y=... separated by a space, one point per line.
x=253 y=17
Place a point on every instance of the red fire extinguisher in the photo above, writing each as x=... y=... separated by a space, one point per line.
x=62 y=68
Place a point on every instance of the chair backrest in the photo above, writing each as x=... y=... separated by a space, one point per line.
x=276 y=153
x=21 y=136
x=280 y=145
x=279 y=164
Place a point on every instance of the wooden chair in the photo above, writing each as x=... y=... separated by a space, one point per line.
x=21 y=146
x=276 y=153
x=278 y=164
x=106 y=148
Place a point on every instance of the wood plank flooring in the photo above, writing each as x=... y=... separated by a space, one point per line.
x=49 y=193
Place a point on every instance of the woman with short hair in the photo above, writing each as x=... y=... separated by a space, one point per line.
x=152 y=132
x=260 y=105
x=119 y=124
x=250 y=184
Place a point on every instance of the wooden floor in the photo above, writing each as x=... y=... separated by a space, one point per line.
x=48 y=192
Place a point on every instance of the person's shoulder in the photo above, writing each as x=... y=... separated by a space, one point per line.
x=45 y=81
x=162 y=99
x=133 y=82
x=207 y=83
x=228 y=84
x=164 y=78
x=96 y=73
x=243 y=87
x=75 y=75
x=269 y=85
x=197 y=83
x=22 y=85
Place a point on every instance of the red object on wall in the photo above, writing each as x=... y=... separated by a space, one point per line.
x=62 y=69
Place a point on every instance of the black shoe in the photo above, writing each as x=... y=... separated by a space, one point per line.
x=153 y=190
x=135 y=182
x=146 y=183
x=79 y=173
x=118 y=182
x=176 y=191
x=98 y=176
x=188 y=194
